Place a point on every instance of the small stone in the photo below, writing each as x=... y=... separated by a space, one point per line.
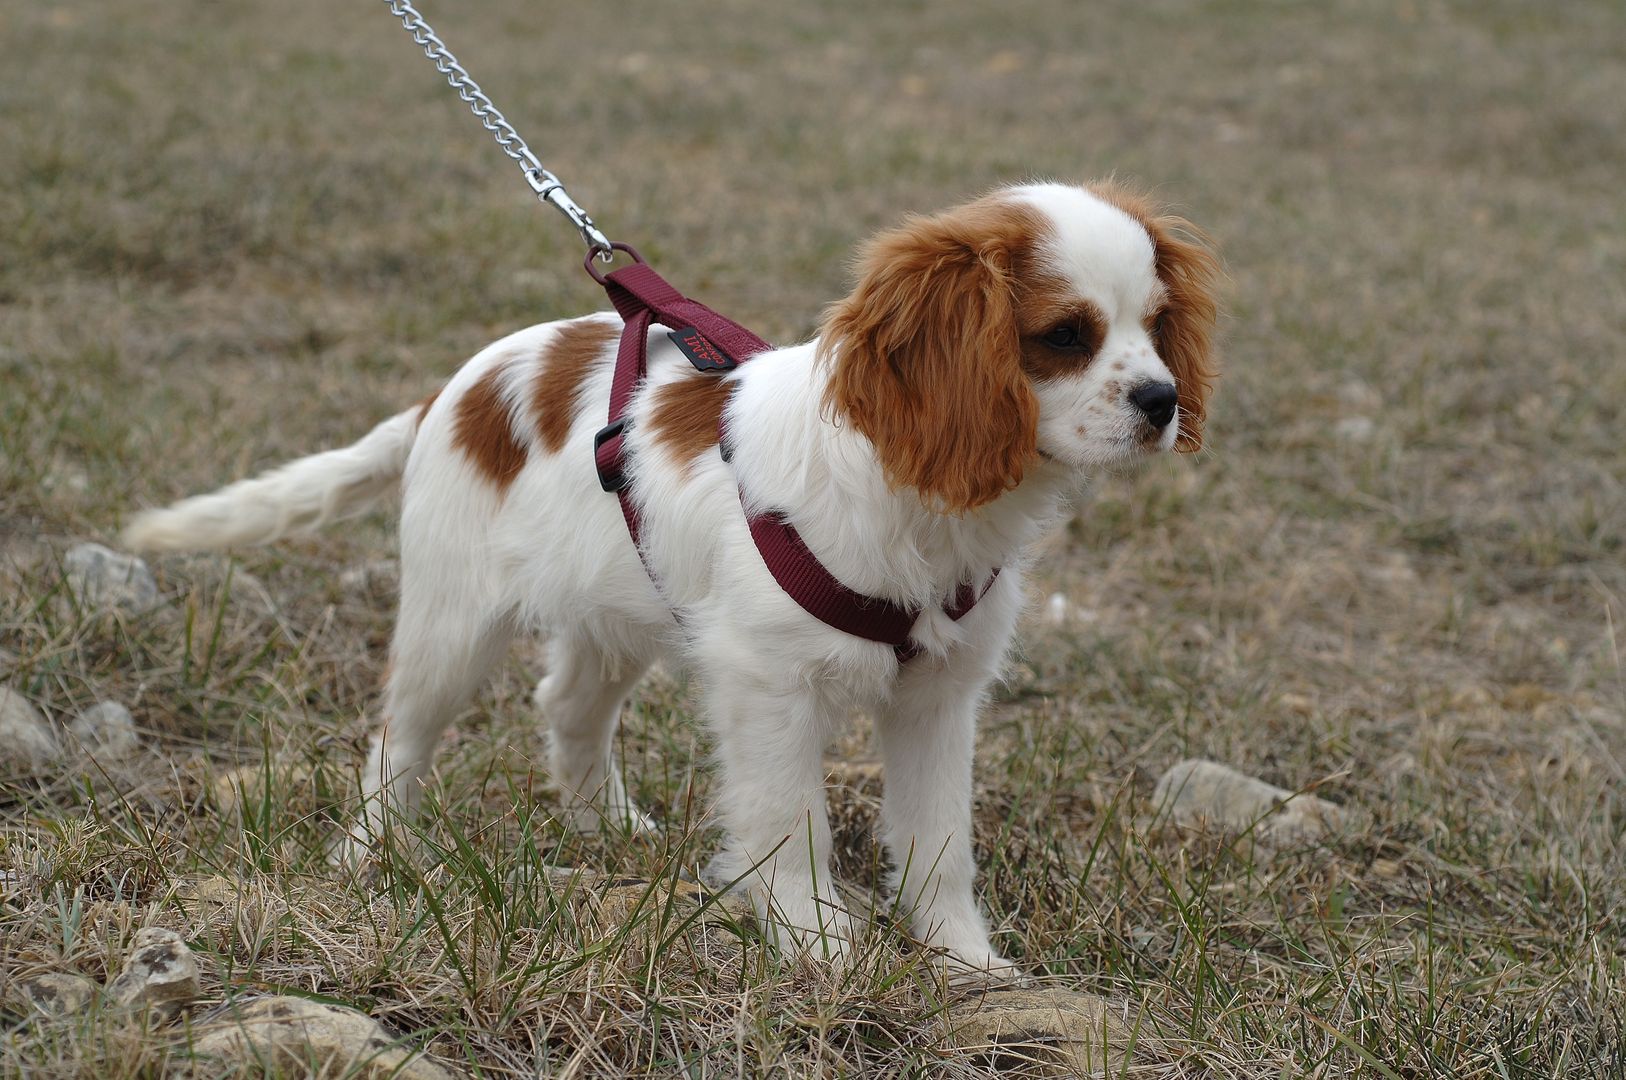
x=1355 y=429
x=1525 y=697
x=854 y=774
x=1298 y=704
x=247 y=784
x=1061 y=610
x=1004 y=62
x=618 y=901
x=298 y=1037
x=103 y=578
x=1198 y=793
x=25 y=735
x=1067 y=1033
x=107 y=731
x=212 y=889
x=1359 y=395
x=380 y=575
x=55 y=993
x=161 y=974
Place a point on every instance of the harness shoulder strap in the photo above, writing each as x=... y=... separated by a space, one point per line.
x=717 y=344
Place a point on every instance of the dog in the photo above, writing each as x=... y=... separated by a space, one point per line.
x=989 y=360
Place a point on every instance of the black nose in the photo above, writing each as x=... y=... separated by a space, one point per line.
x=1156 y=400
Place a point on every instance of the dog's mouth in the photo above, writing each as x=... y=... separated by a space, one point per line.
x=1103 y=453
x=1149 y=439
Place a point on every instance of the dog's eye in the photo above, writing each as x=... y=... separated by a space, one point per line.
x=1063 y=337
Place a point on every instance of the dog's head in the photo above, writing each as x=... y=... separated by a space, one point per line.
x=1043 y=321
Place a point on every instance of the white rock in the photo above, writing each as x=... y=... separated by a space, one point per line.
x=161 y=974
x=54 y=993
x=1048 y=1031
x=1056 y=609
x=296 y=1037
x=25 y=735
x=380 y=574
x=247 y=784
x=103 y=578
x=1198 y=793
x=107 y=731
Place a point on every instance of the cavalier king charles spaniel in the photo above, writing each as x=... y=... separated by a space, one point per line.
x=990 y=359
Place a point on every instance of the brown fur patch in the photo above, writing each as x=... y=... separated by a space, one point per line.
x=686 y=414
x=1183 y=330
x=926 y=353
x=1045 y=307
x=484 y=431
x=569 y=356
x=424 y=406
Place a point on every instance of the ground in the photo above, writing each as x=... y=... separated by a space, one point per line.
x=230 y=234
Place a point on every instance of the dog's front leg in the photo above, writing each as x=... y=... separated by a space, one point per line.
x=769 y=745
x=928 y=734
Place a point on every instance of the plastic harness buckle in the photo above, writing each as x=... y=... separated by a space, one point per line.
x=609 y=455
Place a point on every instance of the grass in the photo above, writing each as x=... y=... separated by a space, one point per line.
x=228 y=235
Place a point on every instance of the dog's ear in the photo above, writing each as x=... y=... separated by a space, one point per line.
x=1183 y=332
x=925 y=355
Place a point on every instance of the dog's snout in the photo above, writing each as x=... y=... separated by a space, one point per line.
x=1156 y=401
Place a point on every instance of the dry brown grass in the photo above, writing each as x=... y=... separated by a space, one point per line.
x=230 y=234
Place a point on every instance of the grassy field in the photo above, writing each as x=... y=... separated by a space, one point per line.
x=230 y=234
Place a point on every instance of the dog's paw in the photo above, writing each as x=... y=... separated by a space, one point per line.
x=815 y=930
x=794 y=920
x=980 y=966
x=590 y=819
x=353 y=852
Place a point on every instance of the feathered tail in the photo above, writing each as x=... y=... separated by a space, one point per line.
x=299 y=497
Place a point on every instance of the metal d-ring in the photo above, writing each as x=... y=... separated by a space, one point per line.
x=596 y=255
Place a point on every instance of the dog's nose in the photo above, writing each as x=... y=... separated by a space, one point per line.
x=1156 y=400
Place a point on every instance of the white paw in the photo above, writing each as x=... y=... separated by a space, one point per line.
x=980 y=964
x=958 y=934
x=793 y=919
x=819 y=929
x=352 y=852
x=591 y=819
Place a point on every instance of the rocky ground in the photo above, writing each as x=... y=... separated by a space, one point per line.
x=1311 y=760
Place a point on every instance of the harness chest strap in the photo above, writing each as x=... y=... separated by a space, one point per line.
x=717 y=344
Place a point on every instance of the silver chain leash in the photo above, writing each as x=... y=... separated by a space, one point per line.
x=546 y=185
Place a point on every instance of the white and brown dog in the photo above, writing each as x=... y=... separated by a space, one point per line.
x=990 y=359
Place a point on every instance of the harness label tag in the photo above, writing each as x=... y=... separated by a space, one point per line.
x=701 y=353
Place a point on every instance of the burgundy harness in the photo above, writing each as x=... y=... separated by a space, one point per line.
x=717 y=345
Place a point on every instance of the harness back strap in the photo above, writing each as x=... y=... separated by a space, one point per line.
x=716 y=344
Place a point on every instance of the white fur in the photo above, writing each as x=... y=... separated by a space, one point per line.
x=298 y=497
x=552 y=554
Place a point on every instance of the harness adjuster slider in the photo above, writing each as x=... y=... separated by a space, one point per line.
x=609 y=455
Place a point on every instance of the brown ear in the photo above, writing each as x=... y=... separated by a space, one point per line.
x=1183 y=333
x=925 y=355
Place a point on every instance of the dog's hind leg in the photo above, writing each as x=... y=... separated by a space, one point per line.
x=581 y=699
x=451 y=629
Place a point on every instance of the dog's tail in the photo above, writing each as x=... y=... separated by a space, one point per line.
x=299 y=497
